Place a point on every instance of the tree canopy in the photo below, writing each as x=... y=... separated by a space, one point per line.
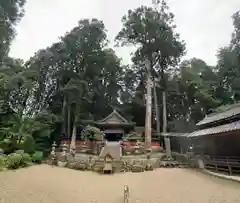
x=80 y=78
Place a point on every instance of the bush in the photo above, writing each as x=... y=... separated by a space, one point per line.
x=8 y=146
x=26 y=160
x=16 y=160
x=13 y=161
x=37 y=157
x=19 y=152
x=1 y=151
x=2 y=162
x=28 y=145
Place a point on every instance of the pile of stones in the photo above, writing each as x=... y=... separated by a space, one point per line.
x=169 y=162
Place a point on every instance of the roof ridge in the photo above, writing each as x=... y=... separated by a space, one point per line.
x=232 y=110
x=117 y=113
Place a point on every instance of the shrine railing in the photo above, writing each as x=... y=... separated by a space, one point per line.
x=230 y=165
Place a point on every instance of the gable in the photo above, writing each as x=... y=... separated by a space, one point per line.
x=114 y=118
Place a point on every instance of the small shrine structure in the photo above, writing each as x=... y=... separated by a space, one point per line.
x=115 y=126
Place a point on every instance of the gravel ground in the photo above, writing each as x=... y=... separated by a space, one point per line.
x=46 y=184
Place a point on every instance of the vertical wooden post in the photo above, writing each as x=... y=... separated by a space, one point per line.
x=156 y=107
x=229 y=167
x=148 y=117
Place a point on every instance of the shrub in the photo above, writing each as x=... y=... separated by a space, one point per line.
x=2 y=162
x=26 y=159
x=92 y=133
x=16 y=160
x=19 y=152
x=8 y=146
x=13 y=161
x=37 y=157
x=1 y=151
x=28 y=145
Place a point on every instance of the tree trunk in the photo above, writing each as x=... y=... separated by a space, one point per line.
x=73 y=139
x=69 y=130
x=64 y=116
x=166 y=138
x=74 y=131
x=164 y=111
x=156 y=107
x=148 y=120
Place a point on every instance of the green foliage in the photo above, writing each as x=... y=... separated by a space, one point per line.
x=19 y=152
x=3 y=160
x=17 y=160
x=5 y=145
x=28 y=145
x=21 y=132
x=92 y=133
x=26 y=159
x=79 y=78
x=133 y=136
x=37 y=157
x=11 y=13
x=14 y=161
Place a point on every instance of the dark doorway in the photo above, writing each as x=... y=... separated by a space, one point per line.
x=113 y=137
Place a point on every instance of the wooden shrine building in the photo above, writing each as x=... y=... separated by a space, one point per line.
x=218 y=134
x=115 y=126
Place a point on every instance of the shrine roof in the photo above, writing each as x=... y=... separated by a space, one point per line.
x=216 y=130
x=229 y=112
x=173 y=134
x=115 y=118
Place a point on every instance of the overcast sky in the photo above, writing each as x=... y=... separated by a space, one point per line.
x=205 y=25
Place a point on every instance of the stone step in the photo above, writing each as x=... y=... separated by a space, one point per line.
x=113 y=149
x=118 y=166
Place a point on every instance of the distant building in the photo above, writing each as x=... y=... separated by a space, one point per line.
x=219 y=133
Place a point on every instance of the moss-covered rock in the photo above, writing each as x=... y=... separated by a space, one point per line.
x=62 y=163
x=82 y=166
x=137 y=168
x=149 y=167
x=71 y=164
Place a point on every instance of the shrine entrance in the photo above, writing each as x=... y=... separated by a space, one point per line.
x=113 y=135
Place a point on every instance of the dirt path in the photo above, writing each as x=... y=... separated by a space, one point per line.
x=44 y=184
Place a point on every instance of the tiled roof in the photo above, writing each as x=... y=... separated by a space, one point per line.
x=116 y=116
x=172 y=134
x=221 y=116
x=215 y=130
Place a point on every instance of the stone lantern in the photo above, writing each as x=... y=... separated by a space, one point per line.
x=62 y=162
x=53 y=153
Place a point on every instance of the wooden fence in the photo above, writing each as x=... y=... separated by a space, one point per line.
x=230 y=165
